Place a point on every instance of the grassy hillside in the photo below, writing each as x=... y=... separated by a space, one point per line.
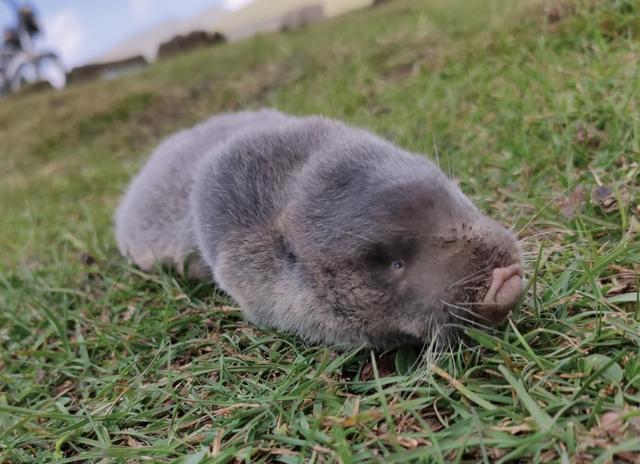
x=533 y=108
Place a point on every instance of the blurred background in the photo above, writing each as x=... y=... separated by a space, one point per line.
x=98 y=39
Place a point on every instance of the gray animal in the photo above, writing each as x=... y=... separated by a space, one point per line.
x=321 y=230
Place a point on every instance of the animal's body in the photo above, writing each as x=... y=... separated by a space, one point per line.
x=321 y=230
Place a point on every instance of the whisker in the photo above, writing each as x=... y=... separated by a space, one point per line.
x=472 y=323
x=469 y=277
x=469 y=303
x=427 y=340
x=455 y=306
x=460 y=327
x=468 y=311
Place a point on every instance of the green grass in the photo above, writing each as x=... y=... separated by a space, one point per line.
x=534 y=110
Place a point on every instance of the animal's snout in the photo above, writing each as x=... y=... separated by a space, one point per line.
x=504 y=293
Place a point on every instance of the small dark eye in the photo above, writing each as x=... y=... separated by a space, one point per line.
x=397 y=264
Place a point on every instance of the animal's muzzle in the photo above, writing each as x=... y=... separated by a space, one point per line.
x=504 y=293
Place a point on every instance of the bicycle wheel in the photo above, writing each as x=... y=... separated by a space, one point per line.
x=4 y=85
x=50 y=69
x=25 y=74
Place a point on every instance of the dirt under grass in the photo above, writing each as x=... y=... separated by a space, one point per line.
x=533 y=107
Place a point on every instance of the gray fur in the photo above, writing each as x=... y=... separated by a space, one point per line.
x=302 y=220
x=154 y=223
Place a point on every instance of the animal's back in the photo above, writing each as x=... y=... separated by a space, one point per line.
x=153 y=221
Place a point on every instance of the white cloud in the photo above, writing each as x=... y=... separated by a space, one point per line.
x=234 y=5
x=140 y=7
x=65 y=34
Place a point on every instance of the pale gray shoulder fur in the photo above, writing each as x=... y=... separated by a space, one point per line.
x=153 y=221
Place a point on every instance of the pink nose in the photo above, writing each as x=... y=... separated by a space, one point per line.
x=503 y=294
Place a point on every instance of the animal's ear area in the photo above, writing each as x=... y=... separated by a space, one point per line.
x=285 y=250
x=282 y=234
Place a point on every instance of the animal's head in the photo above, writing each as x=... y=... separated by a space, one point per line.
x=396 y=253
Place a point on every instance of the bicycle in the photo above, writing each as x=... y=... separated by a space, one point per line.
x=21 y=63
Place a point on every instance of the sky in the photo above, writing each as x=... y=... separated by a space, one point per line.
x=81 y=29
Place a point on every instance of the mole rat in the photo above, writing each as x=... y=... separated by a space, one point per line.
x=321 y=230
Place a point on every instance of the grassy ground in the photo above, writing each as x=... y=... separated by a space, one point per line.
x=534 y=109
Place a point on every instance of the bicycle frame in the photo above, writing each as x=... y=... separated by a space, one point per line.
x=26 y=56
